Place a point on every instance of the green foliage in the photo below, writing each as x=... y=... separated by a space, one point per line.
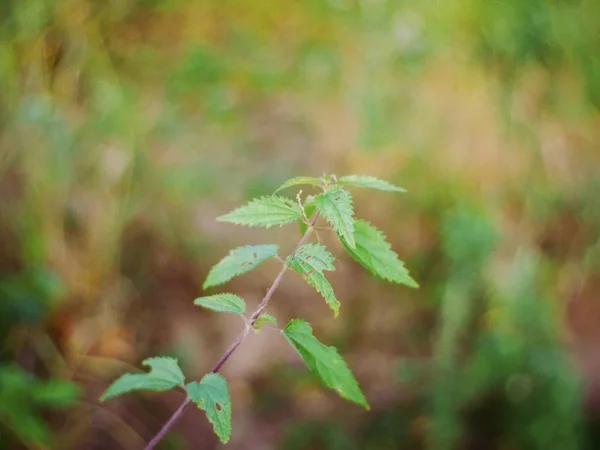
x=310 y=261
x=265 y=212
x=365 y=243
x=374 y=253
x=336 y=206
x=325 y=362
x=164 y=374
x=264 y=319
x=299 y=180
x=211 y=395
x=230 y=303
x=313 y=256
x=239 y=261
x=24 y=398
x=368 y=181
x=309 y=210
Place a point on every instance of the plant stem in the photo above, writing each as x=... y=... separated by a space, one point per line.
x=263 y=304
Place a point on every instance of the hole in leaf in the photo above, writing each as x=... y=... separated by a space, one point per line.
x=308 y=257
x=255 y=255
x=218 y=406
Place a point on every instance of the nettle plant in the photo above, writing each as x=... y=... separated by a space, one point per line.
x=365 y=243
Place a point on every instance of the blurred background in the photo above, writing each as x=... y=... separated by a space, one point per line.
x=128 y=126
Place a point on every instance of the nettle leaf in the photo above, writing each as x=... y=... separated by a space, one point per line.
x=368 y=181
x=239 y=261
x=229 y=303
x=336 y=206
x=164 y=374
x=310 y=261
x=212 y=395
x=313 y=256
x=265 y=212
x=374 y=253
x=324 y=361
x=263 y=319
x=299 y=180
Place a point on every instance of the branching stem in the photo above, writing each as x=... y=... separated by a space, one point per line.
x=261 y=307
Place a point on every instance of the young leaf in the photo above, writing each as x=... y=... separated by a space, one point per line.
x=239 y=261
x=336 y=206
x=263 y=319
x=299 y=180
x=324 y=361
x=309 y=210
x=374 y=253
x=368 y=181
x=313 y=256
x=229 y=303
x=310 y=261
x=164 y=374
x=265 y=212
x=212 y=395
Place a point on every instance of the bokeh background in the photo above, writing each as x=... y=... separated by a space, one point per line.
x=128 y=126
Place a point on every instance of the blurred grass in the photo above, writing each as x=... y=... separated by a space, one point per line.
x=127 y=127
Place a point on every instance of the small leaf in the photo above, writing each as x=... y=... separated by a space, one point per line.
x=310 y=261
x=212 y=395
x=309 y=210
x=299 y=180
x=164 y=374
x=313 y=256
x=265 y=211
x=239 y=261
x=263 y=319
x=374 y=253
x=229 y=303
x=336 y=206
x=368 y=181
x=324 y=361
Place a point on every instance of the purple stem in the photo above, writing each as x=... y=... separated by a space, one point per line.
x=263 y=304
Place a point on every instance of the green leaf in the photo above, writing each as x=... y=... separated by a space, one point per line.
x=309 y=210
x=374 y=253
x=164 y=374
x=310 y=261
x=336 y=206
x=212 y=395
x=368 y=181
x=299 y=180
x=324 y=361
x=229 y=303
x=239 y=261
x=312 y=256
x=263 y=319
x=265 y=211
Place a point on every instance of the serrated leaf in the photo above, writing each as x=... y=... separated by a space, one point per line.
x=263 y=319
x=368 y=181
x=374 y=253
x=310 y=261
x=299 y=180
x=229 y=303
x=325 y=362
x=265 y=212
x=164 y=374
x=212 y=395
x=336 y=206
x=313 y=256
x=239 y=261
